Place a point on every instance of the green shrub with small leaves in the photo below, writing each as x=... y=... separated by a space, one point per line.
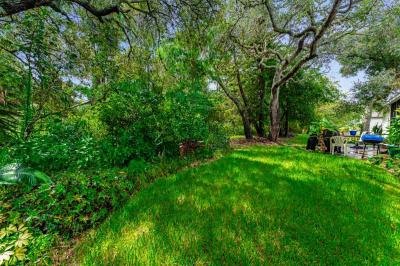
x=394 y=131
x=62 y=146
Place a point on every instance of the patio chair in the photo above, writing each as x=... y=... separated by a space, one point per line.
x=338 y=141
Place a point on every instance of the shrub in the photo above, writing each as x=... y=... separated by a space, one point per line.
x=394 y=131
x=132 y=116
x=137 y=171
x=377 y=129
x=143 y=123
x=4 y=156
x=13 y=242
x=62 y=146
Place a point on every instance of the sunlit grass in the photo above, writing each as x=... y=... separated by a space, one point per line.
x=298 y=140
x=259 y=205
x=237 y=137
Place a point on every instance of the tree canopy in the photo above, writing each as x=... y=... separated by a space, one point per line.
x=71 y=53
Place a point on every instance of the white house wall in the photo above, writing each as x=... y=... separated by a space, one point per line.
x=380 y=119
x=386 y=123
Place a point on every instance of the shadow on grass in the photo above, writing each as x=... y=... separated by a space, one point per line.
x=272 y=205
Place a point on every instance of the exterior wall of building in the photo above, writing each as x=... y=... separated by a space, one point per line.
x=383 y=118
x=380 y=119
x=386 y=123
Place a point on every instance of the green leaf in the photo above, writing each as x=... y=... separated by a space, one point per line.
x=15 y=173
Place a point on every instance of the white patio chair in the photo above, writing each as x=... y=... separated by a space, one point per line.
x=338 y=141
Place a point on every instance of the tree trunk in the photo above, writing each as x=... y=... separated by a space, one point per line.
x=27 y=127
x=259 y=125
x=367 y=120
x=286 y=134
x=274 y=114
x=246 y=125
x=243 y=111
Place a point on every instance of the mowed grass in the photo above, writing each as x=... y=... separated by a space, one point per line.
x=299 y=140
x=257 y=206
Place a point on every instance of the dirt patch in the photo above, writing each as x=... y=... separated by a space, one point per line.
x=63 y=253
x=239 y=142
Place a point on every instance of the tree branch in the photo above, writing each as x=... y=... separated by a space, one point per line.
x=280 y=30
x=227 y=92
x=8 y=8
x=281 y=78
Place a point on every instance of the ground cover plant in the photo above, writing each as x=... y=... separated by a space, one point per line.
x=259 y=205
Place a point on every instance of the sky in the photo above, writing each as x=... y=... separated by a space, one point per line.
x=344 y=83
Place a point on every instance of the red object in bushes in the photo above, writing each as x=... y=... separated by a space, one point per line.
x=189 y=147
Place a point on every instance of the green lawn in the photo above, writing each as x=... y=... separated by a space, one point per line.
x=260 y=205
x=299 y=140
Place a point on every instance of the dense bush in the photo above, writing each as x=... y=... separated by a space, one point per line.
x=64 y=145
x=132 y=115
x=4 y=156
x=394 y=130
x=143 y=123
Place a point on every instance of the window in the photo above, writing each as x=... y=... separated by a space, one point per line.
x=394 y=106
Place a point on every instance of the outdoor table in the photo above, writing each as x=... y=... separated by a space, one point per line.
x=352 y=138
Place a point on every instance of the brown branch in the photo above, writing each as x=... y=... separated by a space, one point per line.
x=273 y=22
x=8 y=8
x=240 y=84
x=312 y=52
x=17 y=6
x=227 y=92
x=98 y=12
x=126 y=36
x=280 y=30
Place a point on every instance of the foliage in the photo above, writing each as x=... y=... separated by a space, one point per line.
x=10 y=97
x=143 y=123
x=302 y=95
x=15 y=173
x=318 y=127
x=394 y=131
x=4 y=156
x=62 y=146
x=371 y=50
x=13 y=242
x=377 y=129
x=342 y=112
x=137 y=170
x=100 y=95
x=374 y=92
x=188 y=114
x=132 y=118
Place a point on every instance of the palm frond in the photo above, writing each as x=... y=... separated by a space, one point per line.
x=16 y=173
